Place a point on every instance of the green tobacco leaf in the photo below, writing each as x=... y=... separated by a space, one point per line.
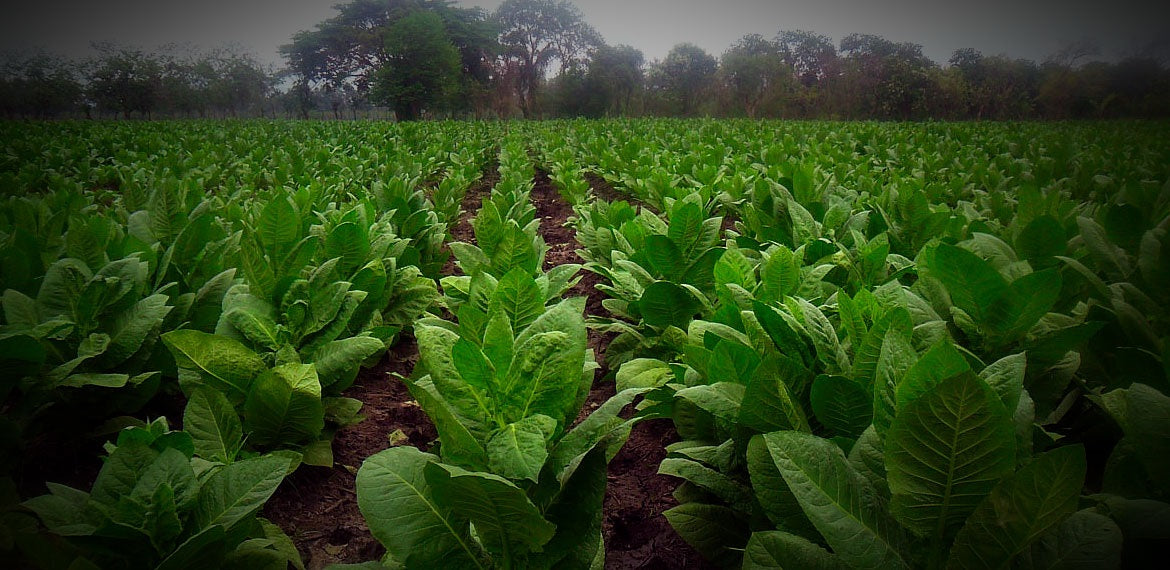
x=519 y=449
x=1144 y=415
x=783 y=335
x=284 y=406
x=133 y=326
x=213 y=424
x=1029 y=298
x=1042 y=238
x=221 y=362
x=506 y=522
x=238 y=491
x=546 y=368
x=62 y=286
x=664 y=256
x=1020 y=510
x=777 y=500
x=689 y=232
x=1086 y=540
x=896 y=359
x=717 y=532
x=1006 y=378
x=824 y=336
x=721 y=399
x=340 y=359
x=403 y=514
x=942 y=361
x=350 y=243
x=973 y=284
x=205 y=549
x=19 y=309
x=841 y=405
x=278 y=227
x=595 y=428
x=643 y=373
x=121 y=472
x=868 y=352
x=737 y=495
x=768 y=402
x=839 y=502
x=666 y=304
x=780 y=274
x=541 y=378
x=576 y=512
x=64 y=512
x=944 y=452
x=868 y=458
x=435 y=347
x=519 y=297
x=779 y=550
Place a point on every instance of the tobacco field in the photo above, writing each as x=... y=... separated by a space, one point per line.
x=635 y=343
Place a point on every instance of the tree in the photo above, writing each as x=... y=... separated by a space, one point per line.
x=685 y=73
x=351 y=47
x=813 y=57
x=752 y=71
x=615 y=75
x=423 y=66
x=885 y=79
x=125 y=80
x=534 y=34
x=38 y=84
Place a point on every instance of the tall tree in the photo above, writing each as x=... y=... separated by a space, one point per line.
x=886 y=79
x=685 y=73
x=752 y=71
x=125 y=80
x=422 y=71
x=536 y=33
x=351 y=47
x=813 y=57
x=615 y=74
x=38 y=84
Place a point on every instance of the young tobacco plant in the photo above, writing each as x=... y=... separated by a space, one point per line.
x=156 y=505
x=512 y=486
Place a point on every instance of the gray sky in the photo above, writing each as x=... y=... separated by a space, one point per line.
x=1021 y=28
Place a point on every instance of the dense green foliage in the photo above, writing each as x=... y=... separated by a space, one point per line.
x=882 y=345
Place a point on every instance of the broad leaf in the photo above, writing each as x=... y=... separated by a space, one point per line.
x=1020 y=510
x=213 y=424
x=284 y=406
x=944 y=452
x=398 y=504
x=839 y=502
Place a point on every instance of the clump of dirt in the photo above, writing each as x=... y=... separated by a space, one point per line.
x=317 y=507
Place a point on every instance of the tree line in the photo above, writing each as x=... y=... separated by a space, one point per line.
x=414 y=59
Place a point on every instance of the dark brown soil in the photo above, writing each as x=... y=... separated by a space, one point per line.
x=317 y=507
x=636 y=534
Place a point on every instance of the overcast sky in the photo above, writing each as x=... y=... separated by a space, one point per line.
x=1030 y=29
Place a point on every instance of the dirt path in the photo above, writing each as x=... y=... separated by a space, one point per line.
x=317 y=507
x=636 y=533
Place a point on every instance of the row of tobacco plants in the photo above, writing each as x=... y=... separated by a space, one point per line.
x=893 y=346
x=881 y=345
x=246 y=271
